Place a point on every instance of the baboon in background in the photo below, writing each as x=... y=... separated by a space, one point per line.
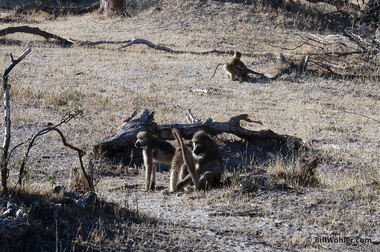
x=154 y=150
x=236 y=69
x=205 y=165
x=232 y=71
x=244 y=70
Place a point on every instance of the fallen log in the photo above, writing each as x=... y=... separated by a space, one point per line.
x=57 y=10
x=5 y=7
x=120 y=147
x=70 y=42
x=35 y=31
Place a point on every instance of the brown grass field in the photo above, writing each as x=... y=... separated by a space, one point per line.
x=337 y=119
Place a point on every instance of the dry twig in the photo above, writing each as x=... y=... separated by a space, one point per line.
x=46 y=130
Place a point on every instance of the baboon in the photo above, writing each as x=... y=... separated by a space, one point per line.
x=154 y=150
x=232 y=72
x=205 y=165
x=244 y=70
x=236 y=69
x=179 y=167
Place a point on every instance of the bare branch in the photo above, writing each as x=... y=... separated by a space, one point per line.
x=7 y=117
x=46 y=130
x=36 y=31
x=56 y=10
x=14 y=62
x=337 y=3
x=191 y=118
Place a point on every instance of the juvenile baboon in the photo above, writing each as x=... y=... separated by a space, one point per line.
x=244 y=70
x=232 y=72
x=236 y=69
x=154 y=150
x=205 y=165
x=178 y=167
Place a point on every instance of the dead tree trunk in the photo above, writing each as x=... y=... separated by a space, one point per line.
x=7 y=118
x=116 y=6
x=120 y=147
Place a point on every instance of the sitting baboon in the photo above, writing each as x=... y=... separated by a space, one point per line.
x=236 y=69
x=178 y=168
x=154 y=150
x=205 y=165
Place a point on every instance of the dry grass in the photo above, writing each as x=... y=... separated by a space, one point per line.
x=338 y=120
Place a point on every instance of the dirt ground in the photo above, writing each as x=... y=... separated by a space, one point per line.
x=336 y=118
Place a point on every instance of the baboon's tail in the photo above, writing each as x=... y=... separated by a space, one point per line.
x=177 y=135
x=215 y=69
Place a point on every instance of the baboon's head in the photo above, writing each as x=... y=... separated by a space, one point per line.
x=237 y=55
x=201 y=143
x=143 y=139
